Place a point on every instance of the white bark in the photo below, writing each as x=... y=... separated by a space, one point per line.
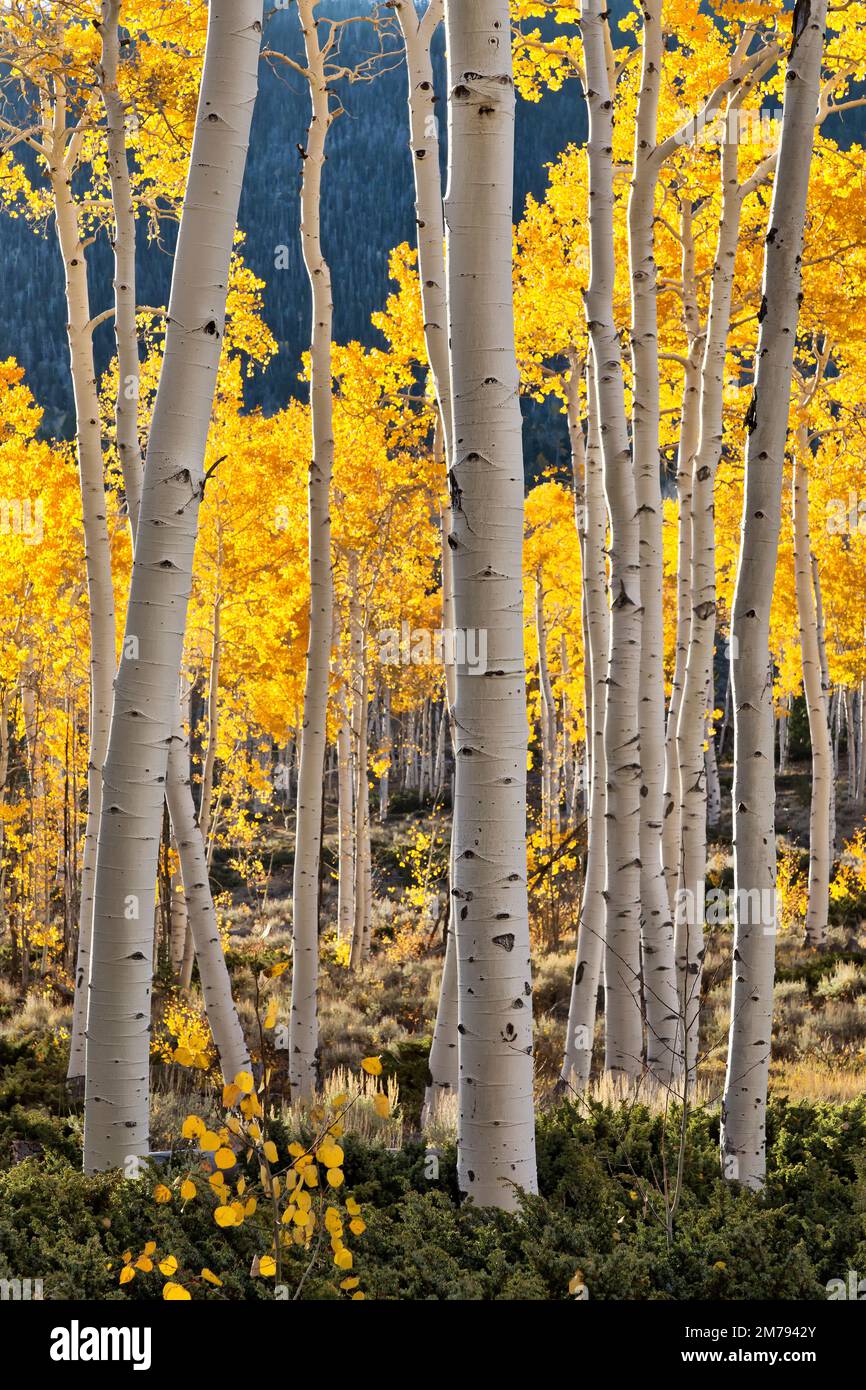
x=623 y=1015
x=215 y=980
x=496 y=1128
x=592 y=521
x=743 y=1133
x=145 y=702
x=691 y=723
x=304 y=1024
x=820 y=855
x=657 y=926
x=688 y=446
x=97 y=554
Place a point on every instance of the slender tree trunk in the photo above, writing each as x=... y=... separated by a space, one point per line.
x=688 y=447
x=215 y=980
x=496 y=1128
x=345 y=821
x=711 y=770
x=825 y=682
x=100 y=592
x=623 y=1021
x=549 y=779
x=304 y=1024
x=592 y=523
x=691 y=724
x=145 y=702
x=743 y=1133
x=820 y=857
x=657 y=926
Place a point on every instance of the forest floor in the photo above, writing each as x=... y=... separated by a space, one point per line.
x=604 y=1206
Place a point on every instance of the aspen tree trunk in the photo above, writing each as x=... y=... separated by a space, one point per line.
x=820 y=856
x=361 y=925
x=384 y=777
x=592 y=520
x=145 y=702
x=825 y=682
x=743 y=1133
x=429 y=216
x=688 y=447
x=304 y=1024
x=691 y=723
x=443 y=1069
x=100 y=593
x=782 y=723
x=851 y=742
x=215 y=980
x=657 y=927
x=345 y=820
x=125 y=332
x=549 y=780
x=623 y=1021
x=496 y=1128
x=714 y=789
x=193 y=916
x=861 y=744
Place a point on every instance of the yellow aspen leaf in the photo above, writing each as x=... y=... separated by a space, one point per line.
x=372 y=1066
x=336 y=1177
x=311 y=1176
x=224 y=1158
x=144 y=1263
x=357 y=1296
x=381 y=1105
x=211 y=1278
x=343 y=1259
x=273 y=972
x=150 y=1248
x=188 y=1189
x=241 y=1186
x=357 y=1226
x=295 y=1149
x=304 y=1200
x=209 y=1142
x=351 y=1283
x=288 y=1215
x=224 y=1216
x=267 y=1266
x=300 y=1217
x=231 y=1094
x=352 y=1207
x=127 y=1256
x=245 y=1082
x=331 y=1155
x=127 y=1274
x=250 y=1205
x=193 y=1126
x=270 y=1151
x=168 y=1266
x=183 y=1057
x=271 y=1015
x=277 y=1187
x=175 y=1293
x=332 y=1219
x=161 y=1193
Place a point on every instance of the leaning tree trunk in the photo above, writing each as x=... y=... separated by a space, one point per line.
x=820 y=857
x=496 y=1127
x=623 y=1014
x=592 y=523
x=743 y=1132
x=97 y=556
x=145 y=701
x=304 y=1023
